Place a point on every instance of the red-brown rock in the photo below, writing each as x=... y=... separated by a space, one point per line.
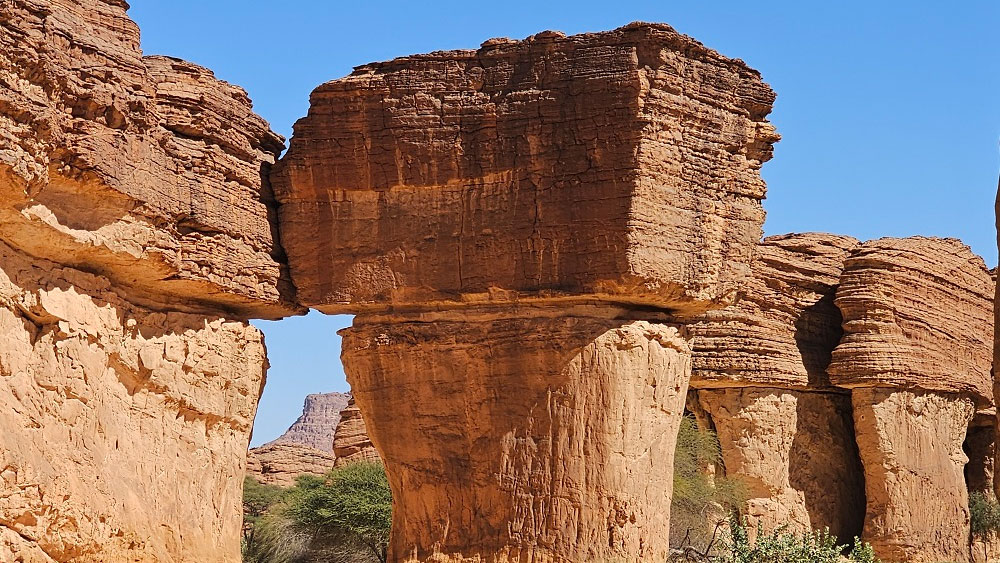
x=620 y=165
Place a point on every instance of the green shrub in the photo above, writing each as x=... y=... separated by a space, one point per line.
x=984 y=513
x=700 y=500
x=781 y=546
x=348 y=513
x=342 y=517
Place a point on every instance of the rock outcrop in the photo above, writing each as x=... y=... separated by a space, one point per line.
x=305 y=448
x=351 y=442
x=318 y=422
x=280 y=463
x=759 y=370
x=124 y=428
x=916 y=354
x=137 y=236
x=545 y=243
x=147 y=171
x=505 y=221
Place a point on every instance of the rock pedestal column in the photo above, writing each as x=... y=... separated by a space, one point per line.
x=916 y=354
x=795 y=453
x=523 y=434
x=518 y=230
x=911 y=447
x=759 y=369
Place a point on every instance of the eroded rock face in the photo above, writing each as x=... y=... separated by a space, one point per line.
x=760 y=370
x=783 y=328
x=147 y=171
x=124 y=428
x=318 y=423
x=280 y=463
x=478 y=476
x=137 y=234
x=917 y=313
x=351 y=442
x=621 y=164
x=916 y=352
x=491 y=216
x=795 y=453
x=911 y=446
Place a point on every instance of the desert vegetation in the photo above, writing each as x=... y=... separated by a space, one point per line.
x=342 y=517
x=706 y=524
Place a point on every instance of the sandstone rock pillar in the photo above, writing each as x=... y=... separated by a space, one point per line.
x=518 y=229
x=760 y=376
x=531 y=434
x=916 y=354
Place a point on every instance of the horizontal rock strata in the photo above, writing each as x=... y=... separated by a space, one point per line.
x=621 y=164
x=916 y=352
x=318 y=422
x=783 y=328
x=147 y=171
x=917 y=313
x=280 y=463
x=137 y=235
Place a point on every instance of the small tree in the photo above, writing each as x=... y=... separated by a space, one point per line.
x=349 y=509
x=701 y=501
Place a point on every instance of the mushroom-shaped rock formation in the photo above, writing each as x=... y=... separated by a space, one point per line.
x=759 y=374
x=519 y=228
x=916 y=353
x=137 y=234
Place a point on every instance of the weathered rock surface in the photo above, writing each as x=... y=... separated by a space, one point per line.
x=147 y=171
x=475 y=208
x=781 y=331
x=917 y=313
x=124 y=428
x=795 y=453
x=137 y=234
x=318 y=422
x=578 y=468
x=351 y=442
x=911 y=446
x=916 y=352
x=279 y=463
x=621 y=165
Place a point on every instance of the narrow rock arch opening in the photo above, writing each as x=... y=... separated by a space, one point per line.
x=300 y=404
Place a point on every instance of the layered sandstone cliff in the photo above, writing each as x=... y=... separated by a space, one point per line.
x=318 y=422
x=280 y=463
x=307 y=447
x=916 y=353
x=351 y=442
x=504 y=220
x=759 y=376
x=147 y=171
x=620 y=165
x=137 y=235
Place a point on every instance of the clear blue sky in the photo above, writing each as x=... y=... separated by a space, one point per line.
x=889 y=110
